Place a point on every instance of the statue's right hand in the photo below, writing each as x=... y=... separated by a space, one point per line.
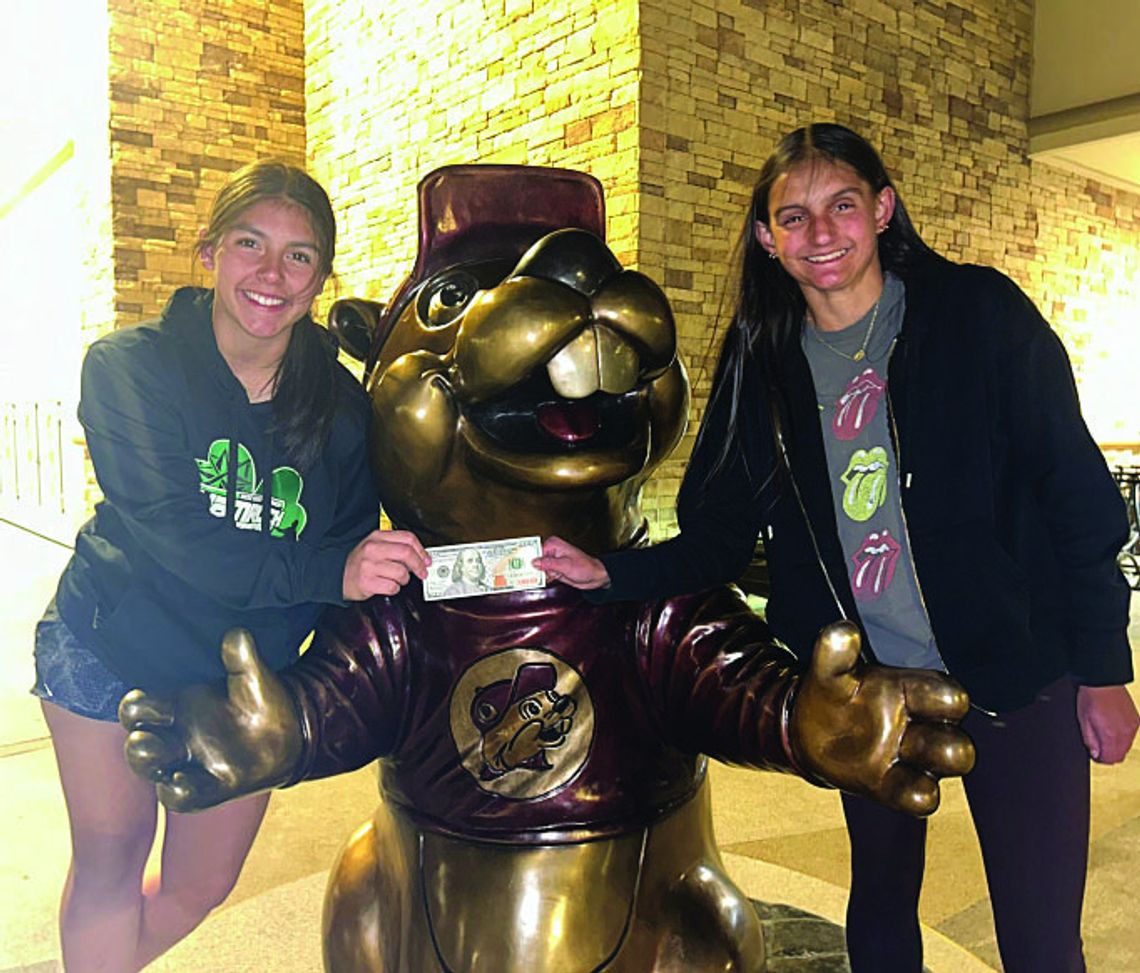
x=208 y=744
x=886 y=733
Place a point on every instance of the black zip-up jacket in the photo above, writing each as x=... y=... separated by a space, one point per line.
x=182 y=546
x=1013 y=518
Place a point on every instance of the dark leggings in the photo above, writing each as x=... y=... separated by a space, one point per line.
x=1029 y=799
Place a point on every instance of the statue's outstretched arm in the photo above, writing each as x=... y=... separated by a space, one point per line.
x=337 y=708
x=726 y=687
x=208 y=744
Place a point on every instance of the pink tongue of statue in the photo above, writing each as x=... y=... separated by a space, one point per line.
x=569 y=421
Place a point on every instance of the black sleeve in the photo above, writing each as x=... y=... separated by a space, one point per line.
x=1082 y=506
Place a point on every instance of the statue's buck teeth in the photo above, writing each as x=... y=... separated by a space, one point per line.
x=597 y=359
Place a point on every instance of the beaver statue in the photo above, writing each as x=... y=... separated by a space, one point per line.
x=544 y=804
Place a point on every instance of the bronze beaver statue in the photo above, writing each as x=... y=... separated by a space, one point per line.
x=544 y=805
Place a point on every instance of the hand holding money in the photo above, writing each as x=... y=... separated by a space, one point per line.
x=564 y=562
x=382 y=563
x=484 y=568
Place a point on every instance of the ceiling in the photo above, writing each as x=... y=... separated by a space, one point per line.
x=1113 y=160
x=1085 y=92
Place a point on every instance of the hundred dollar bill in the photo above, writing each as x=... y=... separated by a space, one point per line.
x=485 y=568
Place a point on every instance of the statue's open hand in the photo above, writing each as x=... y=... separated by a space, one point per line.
x=883 y=732
x=208 y=744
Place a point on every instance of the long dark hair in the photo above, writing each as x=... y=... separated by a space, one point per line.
x=305 y=386
x=770 y=307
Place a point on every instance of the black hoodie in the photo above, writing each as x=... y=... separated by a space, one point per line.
x=1013 y=518
x=161 y=570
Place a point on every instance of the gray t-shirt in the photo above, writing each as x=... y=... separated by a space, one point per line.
x=849 y=369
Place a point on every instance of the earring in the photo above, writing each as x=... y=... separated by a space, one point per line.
x=771 y=256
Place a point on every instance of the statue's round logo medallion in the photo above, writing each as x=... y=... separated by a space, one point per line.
x=522 y=721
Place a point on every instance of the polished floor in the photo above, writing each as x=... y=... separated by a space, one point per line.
x=782 y=840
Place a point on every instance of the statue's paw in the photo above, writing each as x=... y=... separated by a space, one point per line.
x=153 y=754
x=939 y=749
x=191 y=788
x=889 y=733
x=139 y=708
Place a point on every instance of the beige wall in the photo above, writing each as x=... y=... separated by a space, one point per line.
x=151 y=104
x=55 y=254
x=1084 y=51
x=1084 y=99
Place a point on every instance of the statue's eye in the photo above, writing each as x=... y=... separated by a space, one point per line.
x=530 y=708
x=445 y=298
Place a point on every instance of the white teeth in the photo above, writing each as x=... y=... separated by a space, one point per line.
x=824 y=258
x=596 y=359
x=574 y=370
x=264 y=299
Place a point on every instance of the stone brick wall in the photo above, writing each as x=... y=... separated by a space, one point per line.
x=1086 y=279
x=197 y=88
x=673 y=104
x=397 y=89
x=194 y=89
x=942 y=89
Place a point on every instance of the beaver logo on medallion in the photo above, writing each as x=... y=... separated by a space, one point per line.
x=522 y=721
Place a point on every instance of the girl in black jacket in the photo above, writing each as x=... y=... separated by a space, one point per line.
x=904 y=435
x=231 y=450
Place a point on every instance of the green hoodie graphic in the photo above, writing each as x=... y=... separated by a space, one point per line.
x=286 y=513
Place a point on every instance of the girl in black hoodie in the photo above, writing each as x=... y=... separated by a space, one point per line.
x=231 y=450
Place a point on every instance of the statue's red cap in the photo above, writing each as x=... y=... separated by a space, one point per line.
x=475 y=213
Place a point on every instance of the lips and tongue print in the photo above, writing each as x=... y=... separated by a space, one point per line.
x=570 y=422
x=875 y=563
x=865 y=483
x=855 y=408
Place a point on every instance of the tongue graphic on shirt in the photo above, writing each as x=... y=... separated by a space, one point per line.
x=571 y=422
x=855 y=408
x=875 y=563
x=865 y=482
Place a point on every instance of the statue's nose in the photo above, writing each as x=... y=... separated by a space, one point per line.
x=572 y=257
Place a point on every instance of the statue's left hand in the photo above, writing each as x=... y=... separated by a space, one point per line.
x=208 y=744
x=886 y=733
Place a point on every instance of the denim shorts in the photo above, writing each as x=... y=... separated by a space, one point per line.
x=70 y=675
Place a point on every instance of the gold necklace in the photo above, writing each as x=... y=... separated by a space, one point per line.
x=862 y=352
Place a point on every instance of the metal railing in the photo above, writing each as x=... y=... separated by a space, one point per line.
x=1128 y=480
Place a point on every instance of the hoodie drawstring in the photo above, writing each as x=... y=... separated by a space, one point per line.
x=231 y=482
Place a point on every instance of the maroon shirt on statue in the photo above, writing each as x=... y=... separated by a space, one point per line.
x=537 y=716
